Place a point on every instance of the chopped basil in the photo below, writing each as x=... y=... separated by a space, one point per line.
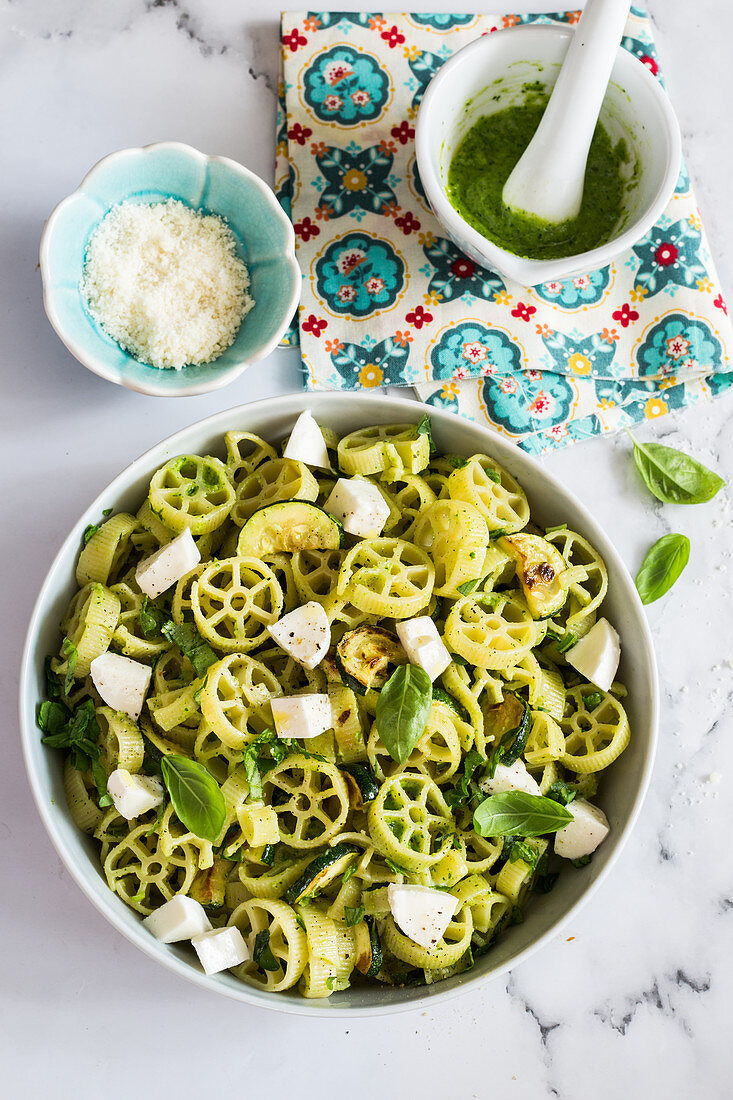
x=262 y=955
x=76 y=730
x=581 y=861
x=151 y=619
x=469 y=586
x=457 y=461
x=424 y=428
x=593 y=699
x=191 y=644
x=353 y=916
x=70 y=652
x=561 y=792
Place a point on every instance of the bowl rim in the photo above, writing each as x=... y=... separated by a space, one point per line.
x=98 y=892
x=219 y=377
x=521 y=269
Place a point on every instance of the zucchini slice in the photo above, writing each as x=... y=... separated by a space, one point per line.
x=209 y=886
x=368 y=948
x=540 y=568
x=507 y=726
x=367 y=657
x=320 y=871
x=440 y=695
x=363 y=787
x=288 y=525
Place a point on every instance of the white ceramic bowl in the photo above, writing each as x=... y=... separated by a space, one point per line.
x=265 y=241
x=623 y=785
x=487 y=76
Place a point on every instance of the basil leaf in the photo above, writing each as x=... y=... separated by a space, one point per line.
x=100 y=780
x=191 y=644
x=567 y=642
x=662 y=566
x=561 y=792
x=262 y=956
x=402 y=710
x=468 y=586
x=673 y=476
x=517 y=812
x=592 y=700
x=457 y=461
x=353 y=916
x=53 y=717
x=151 y=619
x=195 y=794
x=424 y=428
x=89 y=530
x=581 y=861
x=521 y=850
x=71 y=654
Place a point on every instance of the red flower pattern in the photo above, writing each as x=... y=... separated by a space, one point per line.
x=650 y=64
x=408 y=223
x=719 y=303
x=314 y=325
x=294 y=40
x=666 y=254
x=523 y=311
x=625 y=315
x=299 y=133
x=463 y=267
x=418 y=317
x=306 y=229
x=404 y=132
x=393 y=37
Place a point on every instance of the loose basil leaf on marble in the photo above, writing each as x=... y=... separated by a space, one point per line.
x=191 y=644
x=402 y=710
x=262 y=955
x=662 y=566
x=673 y=476
x=195 y=794
x=515 y=812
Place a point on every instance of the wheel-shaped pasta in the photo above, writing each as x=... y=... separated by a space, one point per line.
x=181 y=607
x=276 y=479
x=437 y=753
x=496 y=636
x=233 y=603
x=490 y=488
x=315 y=573
x=291 y=675
x=436 y=475
x=179 y=707
x=411 y=494
x=545 y=742
x=120 y=740
x=410 y=822
x=235 y=699
x=245 y=452
x=384 y=447
x=387 y=577
x=448 y=950
x=173 y=836
x=89 y=624
x=456 y=536
x=311 y=799
x=285 y=939
x=479 y=852
x=136 y=868
x=172 y=671
x=487 y=906
x=191 y=491
x=271 y=882
x=596 y=733
x=106 y=551
x=282 y=566
x=586 y=592
x=129 y=637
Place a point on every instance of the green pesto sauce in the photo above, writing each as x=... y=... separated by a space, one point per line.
x=483 y=162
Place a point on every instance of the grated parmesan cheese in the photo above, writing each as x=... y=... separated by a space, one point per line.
x=166 y=283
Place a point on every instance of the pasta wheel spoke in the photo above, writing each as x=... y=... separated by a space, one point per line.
x=191 y=491
x=456 y=536
x=410 y=822
x=234 y=601
x=494 y=636
x=311 y=799
x=587 y=592
x=486 y=485
x=245 y=452
x=388 y=577
x=594 y=735
x=286 y=940
x=235 y=699
x=273 y=480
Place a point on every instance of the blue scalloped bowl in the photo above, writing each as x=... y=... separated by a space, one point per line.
x=154 y=173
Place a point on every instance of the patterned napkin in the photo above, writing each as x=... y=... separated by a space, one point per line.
x=388 y=299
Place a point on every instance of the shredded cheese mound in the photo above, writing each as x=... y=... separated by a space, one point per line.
x=166 y=282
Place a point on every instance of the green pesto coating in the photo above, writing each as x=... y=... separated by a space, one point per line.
x=483 y=162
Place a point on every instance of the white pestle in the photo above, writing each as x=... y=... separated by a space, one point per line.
x=547 y=181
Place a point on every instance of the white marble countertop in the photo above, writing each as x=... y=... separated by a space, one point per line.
x=634 y=998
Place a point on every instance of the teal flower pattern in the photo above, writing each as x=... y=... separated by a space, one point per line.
x=528 y=401
x=582 y=290
x=326 y=19
x=456 y=276
x=669 y=257
x=423 y=68
x=359 y=274
x=355 y=180
x=441 y=22
x=679 y=343
x=582 y=356
x=471 y=348
x=640 y=400
x=380 y=365
x=346 y=86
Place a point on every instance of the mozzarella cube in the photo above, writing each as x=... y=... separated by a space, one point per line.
x=121 y=682
x=513 y=777
x=181 y=918
x=596 y=656
x=423 y=645
x=584 y=833
x=422 y=913
x=305 y=634
x=302 y=716
x=220 y=948
x=359 y=506
x=306 y=443
x=166 y=566
x=134 y=795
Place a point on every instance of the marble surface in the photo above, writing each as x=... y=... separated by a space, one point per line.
x=634 y=998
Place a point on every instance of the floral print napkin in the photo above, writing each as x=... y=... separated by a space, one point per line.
x=389 y=299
